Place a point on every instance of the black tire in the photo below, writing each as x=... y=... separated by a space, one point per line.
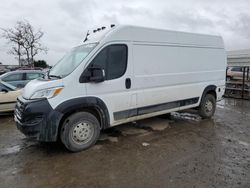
x=207 y=106
x=74 y=128
x=165 y=116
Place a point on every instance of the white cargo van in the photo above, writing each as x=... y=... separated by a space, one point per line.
x=122 y=74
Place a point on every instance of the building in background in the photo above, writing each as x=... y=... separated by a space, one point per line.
x=238 y=58
x=238 y=74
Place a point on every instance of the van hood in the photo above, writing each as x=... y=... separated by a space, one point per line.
x=39 y=84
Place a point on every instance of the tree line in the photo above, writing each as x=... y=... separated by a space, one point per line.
x=25 y=42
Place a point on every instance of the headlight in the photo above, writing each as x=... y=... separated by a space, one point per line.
x=46 y=93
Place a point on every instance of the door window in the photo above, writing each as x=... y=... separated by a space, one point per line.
x=32 y=76
x=13 y=77
x=6 y=87
x=101 y=59
x=113 y=59
x=117 y=61
x=2 y=87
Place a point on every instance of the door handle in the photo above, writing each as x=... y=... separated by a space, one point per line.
x=128 y=83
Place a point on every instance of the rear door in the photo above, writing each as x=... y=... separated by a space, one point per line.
x=116 y=91
x=7 y=99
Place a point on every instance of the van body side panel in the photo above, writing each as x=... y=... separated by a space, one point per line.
x=160 y=36
x=165 y=73
x=154 y=108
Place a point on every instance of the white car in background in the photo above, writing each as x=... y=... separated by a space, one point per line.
x=8 y=97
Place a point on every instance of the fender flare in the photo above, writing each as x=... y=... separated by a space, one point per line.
x=209 y=88
x=86 y=102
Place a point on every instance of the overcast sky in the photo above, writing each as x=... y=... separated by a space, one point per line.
x=65 y=22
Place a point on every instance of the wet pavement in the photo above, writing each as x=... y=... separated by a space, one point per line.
x=183 y=151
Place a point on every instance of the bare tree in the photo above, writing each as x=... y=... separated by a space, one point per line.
x=32 y=42
x=15 y=38
x=25 y=41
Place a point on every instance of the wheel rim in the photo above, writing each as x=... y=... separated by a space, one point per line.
x=209 y=106
x=82 y=132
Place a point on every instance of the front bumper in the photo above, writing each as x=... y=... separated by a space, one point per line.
x=36 y=119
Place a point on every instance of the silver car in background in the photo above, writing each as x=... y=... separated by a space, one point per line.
x=20 y=78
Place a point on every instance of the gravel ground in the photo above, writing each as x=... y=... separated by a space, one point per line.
x=183 y=151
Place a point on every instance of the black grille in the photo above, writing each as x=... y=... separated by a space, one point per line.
x=20 y=105
x=19 y=109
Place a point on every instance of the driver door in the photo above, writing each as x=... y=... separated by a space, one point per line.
x=117 y=90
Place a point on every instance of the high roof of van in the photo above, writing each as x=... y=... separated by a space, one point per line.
x=151 y=35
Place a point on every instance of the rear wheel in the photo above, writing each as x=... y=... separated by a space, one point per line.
x=80 y=131
x=207 y=106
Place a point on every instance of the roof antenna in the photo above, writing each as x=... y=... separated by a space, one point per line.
x=86 y=38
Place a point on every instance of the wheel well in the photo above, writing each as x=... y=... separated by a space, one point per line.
x=91 y=110
x=211 y=89
x=212 y=92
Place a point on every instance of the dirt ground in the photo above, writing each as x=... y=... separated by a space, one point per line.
x=183 y=151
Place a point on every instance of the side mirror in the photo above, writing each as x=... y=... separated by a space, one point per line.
x=4 y=90
x=97 y=74
x=93 y=73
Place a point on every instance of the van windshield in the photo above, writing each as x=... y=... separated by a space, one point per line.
x=71 y=60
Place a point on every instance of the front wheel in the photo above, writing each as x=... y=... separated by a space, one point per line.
x=207 y=106
x=80 y=131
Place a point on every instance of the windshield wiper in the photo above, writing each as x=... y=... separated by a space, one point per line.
x=55 y=76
